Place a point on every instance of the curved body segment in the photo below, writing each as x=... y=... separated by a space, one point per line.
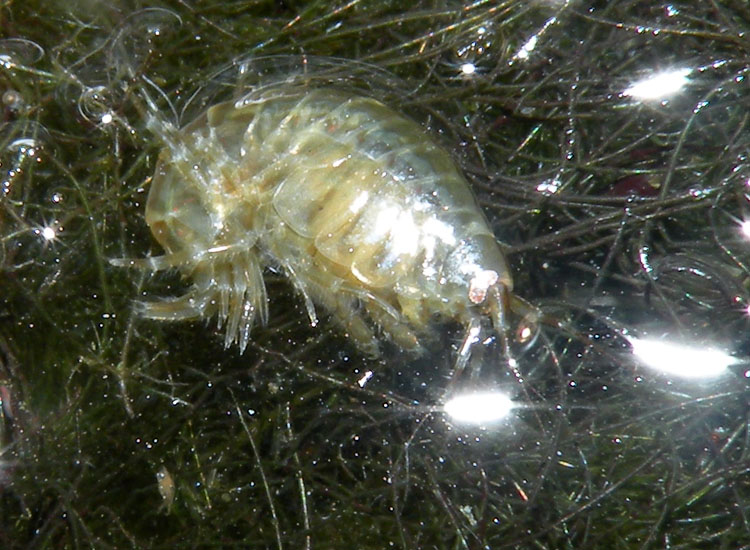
x=370 y=219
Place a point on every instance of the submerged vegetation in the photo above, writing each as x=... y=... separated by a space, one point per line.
x=607 y=143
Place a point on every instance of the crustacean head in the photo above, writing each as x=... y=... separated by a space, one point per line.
x=479 y=267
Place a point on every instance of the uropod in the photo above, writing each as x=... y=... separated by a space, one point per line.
x=367 y=216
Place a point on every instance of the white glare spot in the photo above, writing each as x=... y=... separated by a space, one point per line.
x=526 y=49
x=441 y=230
x=365 y=377
x=49 y=233
x=6 y=61
x=471 y=339
x=106 y=118
x=745 y=228
x=359 y=202
x=549 y=187
x=531 y=43
x=478 y=408
x=468 y=68
x=659 y=85
x=680 y=360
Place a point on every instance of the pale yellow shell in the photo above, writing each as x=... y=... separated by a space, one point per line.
x=367 y=216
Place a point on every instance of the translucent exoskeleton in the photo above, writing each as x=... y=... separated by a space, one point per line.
x=369 y=218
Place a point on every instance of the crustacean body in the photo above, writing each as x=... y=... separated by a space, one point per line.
x=367 y=216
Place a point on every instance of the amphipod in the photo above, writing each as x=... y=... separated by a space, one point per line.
x=367 y=216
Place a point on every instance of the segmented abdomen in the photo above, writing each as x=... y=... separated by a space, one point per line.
x=352 y=199
x=362 y=183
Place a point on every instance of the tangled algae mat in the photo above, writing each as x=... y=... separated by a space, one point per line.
x=607 y=143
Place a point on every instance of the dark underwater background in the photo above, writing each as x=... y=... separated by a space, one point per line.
x=622 y=203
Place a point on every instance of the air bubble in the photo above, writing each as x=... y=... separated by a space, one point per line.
x=135 y=39
x=21 y=144
x=95 y=105
x=19 y=53
x=13 y=100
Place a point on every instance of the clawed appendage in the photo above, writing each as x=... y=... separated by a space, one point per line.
x=499 y=303
x=234 y=291
x=187 y=306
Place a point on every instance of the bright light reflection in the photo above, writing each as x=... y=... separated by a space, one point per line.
x=365 y=377
x=680 y=360
x=531 y=43
x=478 y=408
x=49 y=233
x=549 y=187
x=745 y=228
x=468 y=68
x=359 y=202
x=527 y=48
x=659 y=85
